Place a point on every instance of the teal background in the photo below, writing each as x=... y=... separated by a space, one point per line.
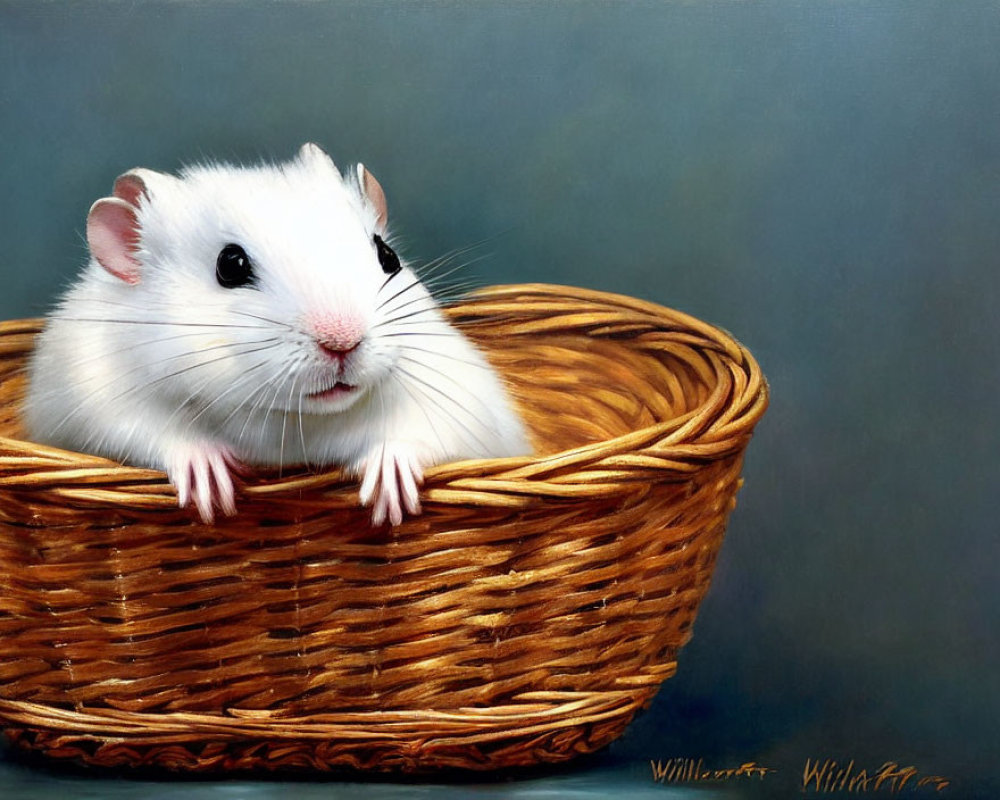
x=820 y=178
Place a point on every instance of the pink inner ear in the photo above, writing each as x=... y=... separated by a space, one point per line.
x=129 y=188
x=373 y=191
x=113 y=236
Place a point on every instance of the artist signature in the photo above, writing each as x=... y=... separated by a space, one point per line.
x=830 y=776
x=689 y=770
x=819 y=776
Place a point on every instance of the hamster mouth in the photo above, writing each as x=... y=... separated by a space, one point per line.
x=335 y=392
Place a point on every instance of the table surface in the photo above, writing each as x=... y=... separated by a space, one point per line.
x=590 y=779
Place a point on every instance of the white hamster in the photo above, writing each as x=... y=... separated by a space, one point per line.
x=256 y=316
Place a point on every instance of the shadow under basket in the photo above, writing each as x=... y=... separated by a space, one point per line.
x=524 y=617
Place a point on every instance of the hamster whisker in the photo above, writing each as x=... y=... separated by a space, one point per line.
x=416 y=333
x=199 y=365
x=440 y=282
x=190 y=401
x=157 y=322
x=416 y=282
x=257 y=390
x=429 y=281
x=447 y=397
x=401 y=323
x=442 y=286
x=284 y=325
x=418 y=404
x=259 y=393
x=436 y=277
x=382 y=417
x=239 y=384
x=302 y=433
x=262 y=392
x=410 y=302
x=284 y=424
x=455 y=290
x=284 y=416
x=437 y=354
x=278 y=382
x=433 y=270
x=234 y=386
x=386 y=282
x=456 y=384
x=134 y=390
x=167 y=307
x=269 y=343
x=158 y=341
x=394 y=320
x=452 y=291
x=436 y=263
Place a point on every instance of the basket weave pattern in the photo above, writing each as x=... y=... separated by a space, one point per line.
x=525 y=616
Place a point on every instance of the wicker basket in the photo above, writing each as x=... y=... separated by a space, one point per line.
x=524 y=617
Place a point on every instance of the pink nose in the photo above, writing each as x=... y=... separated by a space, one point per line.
x=337 y=350
x=337 y=335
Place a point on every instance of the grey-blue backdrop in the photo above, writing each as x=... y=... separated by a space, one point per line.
x=822 y=179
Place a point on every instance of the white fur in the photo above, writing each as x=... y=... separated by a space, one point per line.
x=150 y=373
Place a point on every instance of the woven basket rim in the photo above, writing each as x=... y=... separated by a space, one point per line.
x=26 y=464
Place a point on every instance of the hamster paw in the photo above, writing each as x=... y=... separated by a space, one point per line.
x=391 y=476
x=201 y=474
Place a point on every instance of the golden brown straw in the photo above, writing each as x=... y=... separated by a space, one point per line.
x=525 y=616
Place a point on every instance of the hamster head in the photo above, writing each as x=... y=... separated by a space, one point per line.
x=270 y=285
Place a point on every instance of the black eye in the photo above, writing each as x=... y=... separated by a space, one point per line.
x=386 y=256
x=233 y=267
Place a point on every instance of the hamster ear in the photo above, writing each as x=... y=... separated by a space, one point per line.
x=372 y=190
x=313 y=155
x=136 y=182
x=113 y=236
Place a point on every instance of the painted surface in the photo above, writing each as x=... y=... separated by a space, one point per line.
x=823 y=180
